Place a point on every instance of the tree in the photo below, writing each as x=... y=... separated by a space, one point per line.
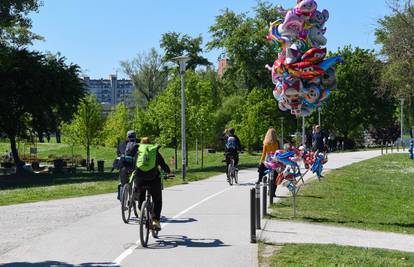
x=243 y=40
x=14 y=22
x=86 y=126
x=117 y=125
x=356 y=104
x=395 y=35
x=175 y=44
x=37 y=93
x=149 y=75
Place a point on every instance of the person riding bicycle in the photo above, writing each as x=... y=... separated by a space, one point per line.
x=232 y=147
x=270 y=145
x=147 y=175
x=127 y=152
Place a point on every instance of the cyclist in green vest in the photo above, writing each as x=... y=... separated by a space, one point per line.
x=148 y=175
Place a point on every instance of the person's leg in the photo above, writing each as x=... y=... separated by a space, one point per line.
x=236 y=159
x=156 y=193
x=261 y=171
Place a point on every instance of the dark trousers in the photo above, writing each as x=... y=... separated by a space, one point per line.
x=124 y=174
x=155 y=189
x=235 y=156
x=261 y=171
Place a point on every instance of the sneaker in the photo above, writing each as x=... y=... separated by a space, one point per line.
x=156 y=224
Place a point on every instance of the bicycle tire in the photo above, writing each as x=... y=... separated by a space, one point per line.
x=144 y=224
x=230 y=174
x=236 y=177
x=125 y=206
x=135 y=202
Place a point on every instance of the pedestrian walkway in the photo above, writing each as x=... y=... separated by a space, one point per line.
x=277 y=231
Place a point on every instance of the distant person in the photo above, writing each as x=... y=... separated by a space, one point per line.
x=331 y=141
x=318 y=141
x=232 y=147
x=127 y=152
x=270 y=145
x=91 y=166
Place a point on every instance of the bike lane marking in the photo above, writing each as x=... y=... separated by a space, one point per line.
x=131 y=249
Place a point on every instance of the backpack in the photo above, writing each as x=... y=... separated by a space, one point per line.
x=130 y=151
x=231 y=142
x=147 y=157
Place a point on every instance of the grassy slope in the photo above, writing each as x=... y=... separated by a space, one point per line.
x=374 y=194
x=332 y=255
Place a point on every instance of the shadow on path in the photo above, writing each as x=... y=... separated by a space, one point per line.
x=173 y=241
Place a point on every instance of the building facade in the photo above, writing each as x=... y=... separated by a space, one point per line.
x=110 y=92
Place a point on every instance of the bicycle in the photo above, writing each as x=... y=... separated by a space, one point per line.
x=129 y=199
x=232 y=172
x=147 y=214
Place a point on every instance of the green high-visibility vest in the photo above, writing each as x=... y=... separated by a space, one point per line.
x=147 y=157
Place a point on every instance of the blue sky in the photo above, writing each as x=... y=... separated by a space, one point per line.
x=97 y=34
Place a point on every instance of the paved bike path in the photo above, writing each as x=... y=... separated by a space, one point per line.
x=208 y=226
x=212 y=230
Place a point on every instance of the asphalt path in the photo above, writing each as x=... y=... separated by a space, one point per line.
x=205 y=223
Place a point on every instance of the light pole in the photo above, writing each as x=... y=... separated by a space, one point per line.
x=281 y=122
x=402 y=121
x=319 y=116
x=182 y=61
x=303 y=131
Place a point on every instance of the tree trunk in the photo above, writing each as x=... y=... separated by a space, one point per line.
x=197 y=151
x=16 y=158
x=88 y=152
x=202 y=153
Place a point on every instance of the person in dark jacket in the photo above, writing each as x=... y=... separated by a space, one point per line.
x=318 y=139
x=151 y=179
x=127 y=152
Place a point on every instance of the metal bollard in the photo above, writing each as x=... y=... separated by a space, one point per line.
x=252 y=216
x=264 y=198
x=271 y=187
x=258 y=206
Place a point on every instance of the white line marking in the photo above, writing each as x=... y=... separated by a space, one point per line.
x=131 y=249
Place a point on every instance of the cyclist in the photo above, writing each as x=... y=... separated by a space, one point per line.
x=147 y=175
x=270 y=145
x=127 y=151
x=232 y=147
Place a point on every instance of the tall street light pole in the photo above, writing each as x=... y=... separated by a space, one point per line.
x=182 y=61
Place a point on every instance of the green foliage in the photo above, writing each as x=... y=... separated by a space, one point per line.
x=14 y=22
x=87 y=124
x=175 y=44
x=37 y=92
x=117 y=125
x=258 y=114
x=356 y=104
x=243 y=39
x=149 y=75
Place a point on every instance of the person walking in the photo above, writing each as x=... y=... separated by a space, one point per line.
x=318 y=140
x=270 y=145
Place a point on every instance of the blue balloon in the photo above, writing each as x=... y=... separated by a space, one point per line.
x=327 y=63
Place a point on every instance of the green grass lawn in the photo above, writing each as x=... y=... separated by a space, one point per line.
x=374 y=194
x=331 y=255
x=46 y=186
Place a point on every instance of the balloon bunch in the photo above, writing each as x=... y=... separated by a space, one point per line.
x=302 y=76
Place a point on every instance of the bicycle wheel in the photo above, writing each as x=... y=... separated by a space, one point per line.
x=134 y=200
x=236 y=176
x=230 y=173
x=125 y=203
x=144 y=224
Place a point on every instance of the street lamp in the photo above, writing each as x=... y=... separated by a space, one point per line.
x=182 y=61
x=402 y=121
x=319 y=116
